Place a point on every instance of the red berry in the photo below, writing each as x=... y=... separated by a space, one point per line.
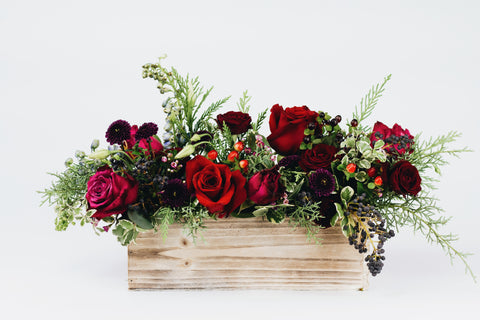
x=232 y=156
x=212 y=155
x=239 y=146
x=351 y=167
x=378 y=181
x=372 y=172
x=243 y=164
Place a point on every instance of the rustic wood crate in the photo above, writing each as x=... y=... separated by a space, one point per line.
x=245 y=254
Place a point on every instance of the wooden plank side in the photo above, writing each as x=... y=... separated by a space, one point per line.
x=245 y=254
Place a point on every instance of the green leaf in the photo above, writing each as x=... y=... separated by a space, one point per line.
x=361 y=176
x=340 y=212
x=303 y=146
x=371 y=185
x=365 y=164
x=380 y=155
x=317 y=141
x=260 y=212
x=275 y=216
x=378 y=144
x=347 y=193
x=127 y=225
x=140 y=220
x=363 y=146
x=334 y=219
x=308 y=132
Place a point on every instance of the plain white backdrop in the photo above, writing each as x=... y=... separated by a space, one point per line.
x=70 y=68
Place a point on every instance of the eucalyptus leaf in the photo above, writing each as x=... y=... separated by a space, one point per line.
x=140 y=220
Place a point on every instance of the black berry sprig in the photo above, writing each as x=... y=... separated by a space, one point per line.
x=369 y=232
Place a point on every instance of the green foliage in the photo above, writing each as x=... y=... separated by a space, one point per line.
x=303 y=217
x=243 y=105
x=258 y=124
x=368 y=103
x=424 y=215
x=188 y=96
x=67 y=193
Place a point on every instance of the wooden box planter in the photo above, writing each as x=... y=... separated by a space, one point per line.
x=245 y=254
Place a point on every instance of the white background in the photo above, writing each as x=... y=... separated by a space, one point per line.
x=68 y=69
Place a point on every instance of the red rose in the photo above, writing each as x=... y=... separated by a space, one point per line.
x=265 y=187
x=237 y=122
x=143 y=144
x=216 y=187
x=109 y=193
x=320 y=156
x=287 y=127
x=404 y=178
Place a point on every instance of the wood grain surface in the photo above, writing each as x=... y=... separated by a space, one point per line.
x=245 y=254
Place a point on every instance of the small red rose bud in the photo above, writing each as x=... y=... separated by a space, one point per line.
x=351 y=167
x=372 y=172
x=212 y=155
x=232 y=156
x=243 y=164
x=378 y=181
x=239 y=146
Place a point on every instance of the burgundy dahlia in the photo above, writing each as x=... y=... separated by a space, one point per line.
x=146 y=131
x=322 y=182
x=289 y=161
x=175 y=193
x=118 y=132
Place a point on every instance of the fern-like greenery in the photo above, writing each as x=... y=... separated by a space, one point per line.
x=368 y=103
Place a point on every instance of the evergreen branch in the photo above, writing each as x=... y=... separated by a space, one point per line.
x=368 y=103
x=243 y=103
x=419 y=212
x=261 y=117
x=207 y=114
x=303 y=217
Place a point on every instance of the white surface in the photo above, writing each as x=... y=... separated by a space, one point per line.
x=68 y=69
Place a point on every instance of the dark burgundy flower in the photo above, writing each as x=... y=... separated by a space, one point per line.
x=176 y=193
x=118 y=132
x=238 y=122
x=146 y=130
x=327 y=210
x=320 y=156
x=404 y=178
x=322 y=182
x=289 y=161
x=265 y=187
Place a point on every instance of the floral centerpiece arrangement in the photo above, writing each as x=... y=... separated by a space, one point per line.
x=313 y=170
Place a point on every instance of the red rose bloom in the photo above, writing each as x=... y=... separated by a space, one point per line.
x=109 y=193
x=265 y=187
x=404 y=178
x=287 y=128
x=320 y=156
x=216 y=187
x=237 y=122
x=157 y=146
